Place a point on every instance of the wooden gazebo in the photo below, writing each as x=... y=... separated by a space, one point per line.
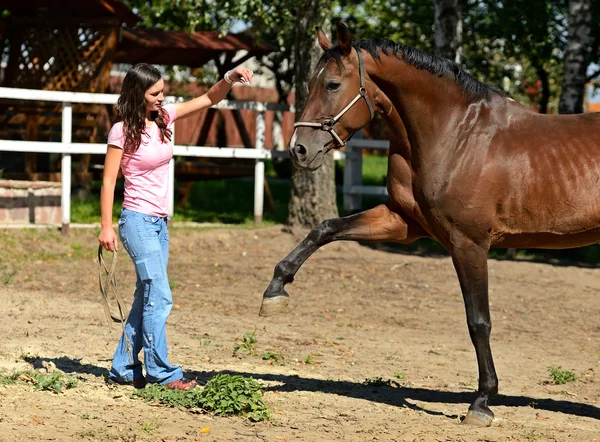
x=71 y=45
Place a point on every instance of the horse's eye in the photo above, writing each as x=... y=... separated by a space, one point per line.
x=332 y=86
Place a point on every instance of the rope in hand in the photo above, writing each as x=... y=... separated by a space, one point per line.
x=108 y=286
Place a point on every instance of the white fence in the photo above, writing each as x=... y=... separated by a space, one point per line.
x=353 y=188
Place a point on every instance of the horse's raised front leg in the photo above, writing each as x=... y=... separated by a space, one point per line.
x=470 y=262
x=377 y=224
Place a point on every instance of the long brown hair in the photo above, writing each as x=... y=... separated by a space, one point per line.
x=131 y=106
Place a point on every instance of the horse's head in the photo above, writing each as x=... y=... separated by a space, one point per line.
x=338 y=103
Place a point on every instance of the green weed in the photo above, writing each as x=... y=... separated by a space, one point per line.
x=248 y=343
x=149 y=427
x=223 y=395
x=380 y=382
x=7 y=274
x=530 y=435
x=54 y=381
x=561 y=376
x=87 y=433
x=275 y=358
x=203 y=340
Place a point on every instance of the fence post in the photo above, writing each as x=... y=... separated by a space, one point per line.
x=259 y=166
x=352 y=177
x=65 y=168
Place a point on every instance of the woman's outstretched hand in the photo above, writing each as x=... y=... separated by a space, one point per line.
x=241 y=75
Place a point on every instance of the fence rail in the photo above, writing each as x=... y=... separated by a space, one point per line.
x=352 y=187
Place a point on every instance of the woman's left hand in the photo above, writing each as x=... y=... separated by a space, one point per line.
x=241 y=75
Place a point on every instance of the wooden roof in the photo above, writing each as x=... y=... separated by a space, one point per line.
x=61 y=9
x=182 y=48
x=135 y=45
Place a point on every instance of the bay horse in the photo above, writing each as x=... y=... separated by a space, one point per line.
x=467 y=166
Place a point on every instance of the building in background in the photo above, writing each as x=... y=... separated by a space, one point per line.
x=592 y=97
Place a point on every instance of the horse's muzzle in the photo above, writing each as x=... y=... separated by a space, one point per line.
x=298 y=153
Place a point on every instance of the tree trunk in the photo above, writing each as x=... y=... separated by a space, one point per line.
x=543 y=76
x=576 y=57
x=312 y=194
x=448 y=29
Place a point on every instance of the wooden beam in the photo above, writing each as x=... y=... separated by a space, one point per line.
x=206 y=124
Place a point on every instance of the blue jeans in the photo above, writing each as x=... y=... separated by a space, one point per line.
x=146 y=239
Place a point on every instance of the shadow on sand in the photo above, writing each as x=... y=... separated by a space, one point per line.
x=402 y=396
x=385 y=394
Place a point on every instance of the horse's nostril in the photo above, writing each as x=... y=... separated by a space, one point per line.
x=300 y=149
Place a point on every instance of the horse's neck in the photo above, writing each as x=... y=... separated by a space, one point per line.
x=425 y=104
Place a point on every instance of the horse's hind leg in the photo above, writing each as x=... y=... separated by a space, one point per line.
x=377 y=224
x=470 y=261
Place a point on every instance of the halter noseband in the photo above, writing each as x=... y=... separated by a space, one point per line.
x=327 y=125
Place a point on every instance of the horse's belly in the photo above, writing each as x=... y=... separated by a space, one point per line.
x=544 y=240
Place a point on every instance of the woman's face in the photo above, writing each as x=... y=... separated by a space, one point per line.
x=154 y=95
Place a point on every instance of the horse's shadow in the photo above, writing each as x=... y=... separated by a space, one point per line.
x=401 y=396
x=385 y=394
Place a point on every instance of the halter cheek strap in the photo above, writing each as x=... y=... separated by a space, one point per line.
x=327 y=125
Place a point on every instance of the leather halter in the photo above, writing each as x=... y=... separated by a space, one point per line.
x=327 y=125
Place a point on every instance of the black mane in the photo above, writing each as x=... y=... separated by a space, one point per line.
x=420 y=60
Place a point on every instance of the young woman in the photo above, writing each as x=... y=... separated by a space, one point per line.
x=141 y=144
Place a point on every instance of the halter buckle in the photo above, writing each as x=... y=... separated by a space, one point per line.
x=327 y=125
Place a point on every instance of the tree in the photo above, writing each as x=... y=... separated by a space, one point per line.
x=448 y=29
x=525 y=40
x=576 y=57
x=407 y=21
x=312 y=198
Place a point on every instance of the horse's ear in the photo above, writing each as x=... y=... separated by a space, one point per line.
x=344 y=38
x=322 y=39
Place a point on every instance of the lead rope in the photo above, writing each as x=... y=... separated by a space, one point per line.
x=108 y=283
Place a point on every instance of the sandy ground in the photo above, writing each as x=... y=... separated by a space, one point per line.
x=359 y=312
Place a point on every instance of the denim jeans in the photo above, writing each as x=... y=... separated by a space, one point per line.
x=146 y=239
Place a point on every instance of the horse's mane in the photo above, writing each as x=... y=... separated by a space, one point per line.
x=475 y=89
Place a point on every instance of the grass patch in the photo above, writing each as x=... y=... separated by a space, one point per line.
x=560 y=377
x=248 y=343
x=399 y=375
x=273 y=358
x=380 y=382
x=7 y=273
x=374 y=170
x=223 y=395
x=231 y=201
x=54 y=381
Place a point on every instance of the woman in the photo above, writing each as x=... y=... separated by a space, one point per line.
x=141 y=145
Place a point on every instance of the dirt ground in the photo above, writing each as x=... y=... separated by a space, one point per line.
x=359 y=312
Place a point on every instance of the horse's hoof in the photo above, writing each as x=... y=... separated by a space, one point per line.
x=478 y=419
x=273 y=305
